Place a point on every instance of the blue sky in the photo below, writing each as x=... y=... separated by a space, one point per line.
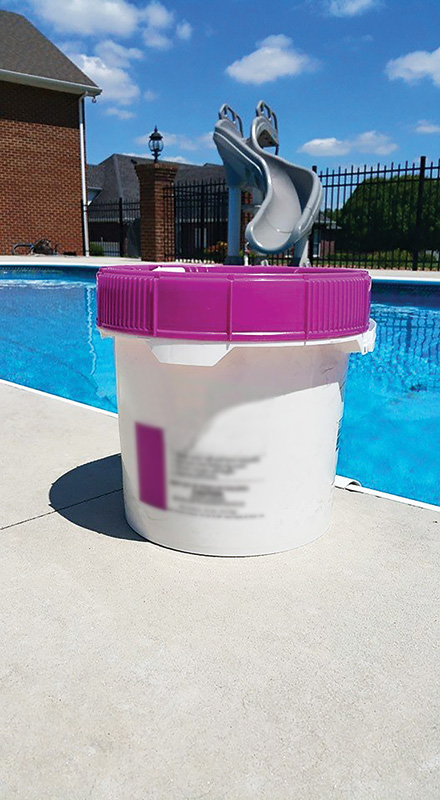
x=352 y=81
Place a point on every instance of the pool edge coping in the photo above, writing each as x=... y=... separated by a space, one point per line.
x=427 y=277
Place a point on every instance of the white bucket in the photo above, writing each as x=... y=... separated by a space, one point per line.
x=231 y=449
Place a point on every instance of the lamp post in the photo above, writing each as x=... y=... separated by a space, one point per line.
x=156 y=143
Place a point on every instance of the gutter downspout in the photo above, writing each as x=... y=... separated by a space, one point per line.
x=82 y=148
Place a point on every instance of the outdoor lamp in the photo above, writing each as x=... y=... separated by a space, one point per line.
x=156 y=143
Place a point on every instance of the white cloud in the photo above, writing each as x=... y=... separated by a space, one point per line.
x=156 y=39
x=274 y=58
x=325 y=147
x=373 y=142
x=368 y=142
x=179 y=160
x=89 y=17
x=149 y=96
x=116 y=55
x=182 y=141
x=116 y=83
x=119 y=18
x=106 y=66
x=160 y=24
x=206 y=140
x=120 y=112
x=175 y=159
x=424 y=126
x=415 y=66
x=350 y=8
x=157 y=16
x=158 y=19
x=184 y=31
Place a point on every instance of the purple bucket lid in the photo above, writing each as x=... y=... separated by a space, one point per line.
x=221 y=303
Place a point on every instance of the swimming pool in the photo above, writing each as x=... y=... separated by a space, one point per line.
x=390 y=437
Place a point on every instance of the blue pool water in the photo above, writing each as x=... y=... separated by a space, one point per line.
x=390 y=438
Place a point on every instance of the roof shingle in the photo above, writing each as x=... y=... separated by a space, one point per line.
x=116 y=177
x=25 y=51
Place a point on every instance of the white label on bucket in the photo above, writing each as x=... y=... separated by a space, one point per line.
x=215 y=485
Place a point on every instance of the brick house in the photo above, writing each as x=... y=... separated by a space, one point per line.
x=114 y=199
x=42 y=155
x=116 y=177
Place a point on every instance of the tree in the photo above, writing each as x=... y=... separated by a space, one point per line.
x=401 y=212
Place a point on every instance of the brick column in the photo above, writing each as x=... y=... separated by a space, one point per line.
x=157 y=216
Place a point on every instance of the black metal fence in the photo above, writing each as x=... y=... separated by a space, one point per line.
x=375 y=217
x=200 y=212
x=380 y=217
x=114 y=229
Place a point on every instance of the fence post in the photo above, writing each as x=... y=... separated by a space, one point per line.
x=153 y=178
x=121 y=229
x=419 y=213
x=312 y=232
x=202 y=219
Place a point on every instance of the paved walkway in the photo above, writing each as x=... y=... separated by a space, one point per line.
x=130 y=671
x=419 y=276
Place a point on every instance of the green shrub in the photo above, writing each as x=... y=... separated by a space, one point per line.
x=216 y=252
x=96 y=249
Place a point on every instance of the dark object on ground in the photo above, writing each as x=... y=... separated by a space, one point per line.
x=42 y=247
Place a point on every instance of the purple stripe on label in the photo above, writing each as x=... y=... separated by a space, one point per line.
x=151 y=465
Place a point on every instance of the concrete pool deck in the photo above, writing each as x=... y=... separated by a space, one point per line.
x=132 y=671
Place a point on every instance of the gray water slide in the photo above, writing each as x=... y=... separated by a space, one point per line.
x=287 y=198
